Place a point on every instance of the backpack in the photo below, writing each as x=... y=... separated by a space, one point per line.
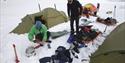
x=62 y=55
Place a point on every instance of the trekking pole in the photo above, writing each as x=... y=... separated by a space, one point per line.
x=114 y=15
x=17 y=60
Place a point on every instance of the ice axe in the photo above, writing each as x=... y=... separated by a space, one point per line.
x=17 y=60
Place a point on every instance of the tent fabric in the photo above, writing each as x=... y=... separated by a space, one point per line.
x=113 y=57
x=52 y=17
x=113 y=48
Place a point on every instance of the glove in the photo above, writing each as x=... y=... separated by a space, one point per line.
x=36 y=41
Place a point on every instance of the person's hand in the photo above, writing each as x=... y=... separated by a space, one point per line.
x=36 y=40
x=41 y=42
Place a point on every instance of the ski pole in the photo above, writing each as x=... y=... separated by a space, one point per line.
x=17 y=60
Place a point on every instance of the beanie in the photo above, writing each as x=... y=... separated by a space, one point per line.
x=38 y=24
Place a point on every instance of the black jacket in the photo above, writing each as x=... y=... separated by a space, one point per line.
x=74 y=9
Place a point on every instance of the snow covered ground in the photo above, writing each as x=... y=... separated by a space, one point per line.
x=11 y=12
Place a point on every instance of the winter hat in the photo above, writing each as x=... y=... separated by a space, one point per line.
x=38 y=24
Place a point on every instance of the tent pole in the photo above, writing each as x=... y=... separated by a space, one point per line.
x=39 y=6
x=55 y=6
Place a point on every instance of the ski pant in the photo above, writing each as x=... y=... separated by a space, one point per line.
x=72 y=24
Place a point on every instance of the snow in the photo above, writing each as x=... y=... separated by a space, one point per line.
x=11 y=12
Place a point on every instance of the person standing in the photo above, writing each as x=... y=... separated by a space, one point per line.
x=97 y=9
x=74 y=9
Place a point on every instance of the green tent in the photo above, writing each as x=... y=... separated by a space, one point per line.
x=113 y=48
x=51 y=16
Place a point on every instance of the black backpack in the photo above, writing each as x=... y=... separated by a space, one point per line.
x=62 y=55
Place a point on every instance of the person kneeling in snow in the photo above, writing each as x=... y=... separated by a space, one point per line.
x=39 y=33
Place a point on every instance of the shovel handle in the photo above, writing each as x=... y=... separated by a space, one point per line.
x=17 y=60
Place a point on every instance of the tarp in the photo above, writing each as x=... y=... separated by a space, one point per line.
x=113 y=48
x=52 y=17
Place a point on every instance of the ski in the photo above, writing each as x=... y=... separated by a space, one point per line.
x=16 y=57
